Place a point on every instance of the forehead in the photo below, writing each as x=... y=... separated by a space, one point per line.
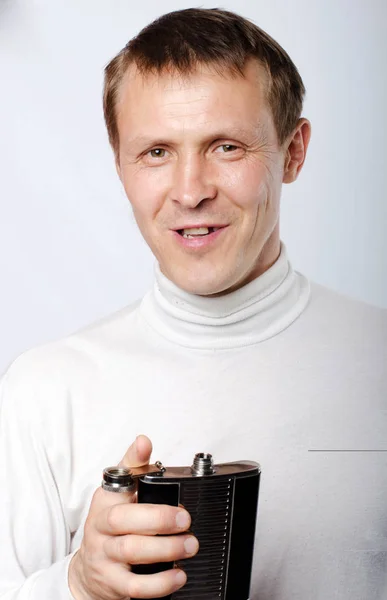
x=192 y=100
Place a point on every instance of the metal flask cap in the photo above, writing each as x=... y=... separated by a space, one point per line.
x=203 y=464
x=117 y=479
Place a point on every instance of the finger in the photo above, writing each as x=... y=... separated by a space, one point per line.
x=138 y=454
x=143 y=519
x=145 y=550
x=131 y=585
x=103 y=500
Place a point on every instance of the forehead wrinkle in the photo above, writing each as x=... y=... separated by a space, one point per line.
x=185 y=107
x=183 y=102
x=183 y=110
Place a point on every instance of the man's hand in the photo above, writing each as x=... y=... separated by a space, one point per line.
x=119 y=532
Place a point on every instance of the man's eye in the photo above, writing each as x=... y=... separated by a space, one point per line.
x=157 y=153
x=228 y=147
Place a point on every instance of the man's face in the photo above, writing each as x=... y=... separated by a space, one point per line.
x=201 y=152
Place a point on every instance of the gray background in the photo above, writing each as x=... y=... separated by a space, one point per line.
x=70 y=251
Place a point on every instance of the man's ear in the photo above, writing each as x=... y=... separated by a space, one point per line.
x=295 y=153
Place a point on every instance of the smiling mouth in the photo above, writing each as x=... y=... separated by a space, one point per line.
x=197 y=232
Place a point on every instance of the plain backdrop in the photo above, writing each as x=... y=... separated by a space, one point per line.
x=70 y=251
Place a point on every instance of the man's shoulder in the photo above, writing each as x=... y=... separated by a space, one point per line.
x=334 y=311
x=76 y=353
x=337 y=301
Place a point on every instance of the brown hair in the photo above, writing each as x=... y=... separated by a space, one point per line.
x=183 y=39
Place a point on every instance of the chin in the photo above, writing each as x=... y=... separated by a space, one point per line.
x=200 y=284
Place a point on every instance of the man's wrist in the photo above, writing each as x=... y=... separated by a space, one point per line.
x=75 y=579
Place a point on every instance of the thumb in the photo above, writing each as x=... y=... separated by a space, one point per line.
x=138 y=454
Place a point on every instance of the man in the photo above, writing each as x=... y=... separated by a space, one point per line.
x=232 y=351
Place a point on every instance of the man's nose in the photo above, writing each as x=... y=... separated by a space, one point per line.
x=193 y=181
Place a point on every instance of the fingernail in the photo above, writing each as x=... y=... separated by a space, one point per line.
x=182 y=519
x=190 y=545
x=180 y=578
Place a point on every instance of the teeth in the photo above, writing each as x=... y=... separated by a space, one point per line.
x=196 y=231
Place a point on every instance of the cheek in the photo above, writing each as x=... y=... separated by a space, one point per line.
x=144 y=193
x=253 y=198
x=250 y=186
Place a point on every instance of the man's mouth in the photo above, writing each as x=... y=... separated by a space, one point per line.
x=195 y=232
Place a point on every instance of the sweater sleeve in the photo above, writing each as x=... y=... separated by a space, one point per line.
x=34 y=537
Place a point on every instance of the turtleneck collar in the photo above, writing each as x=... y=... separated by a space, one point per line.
x=255 y=312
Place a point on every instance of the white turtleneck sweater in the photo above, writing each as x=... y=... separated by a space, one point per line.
x=290 y=375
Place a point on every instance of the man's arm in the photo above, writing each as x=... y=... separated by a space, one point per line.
x=34 y=537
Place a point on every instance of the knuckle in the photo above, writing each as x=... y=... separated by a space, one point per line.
x=96 y=494
x=153 y=517
x=88 y=528
x=96 y=498
x=164 y=518
x=166 y=584
x=90 y=542
x=138 y=550
x=134 y=587
x=123 y=548
x=113 y=517
x=174 y=549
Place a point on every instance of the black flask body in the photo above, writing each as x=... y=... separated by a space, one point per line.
x=223 y=508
